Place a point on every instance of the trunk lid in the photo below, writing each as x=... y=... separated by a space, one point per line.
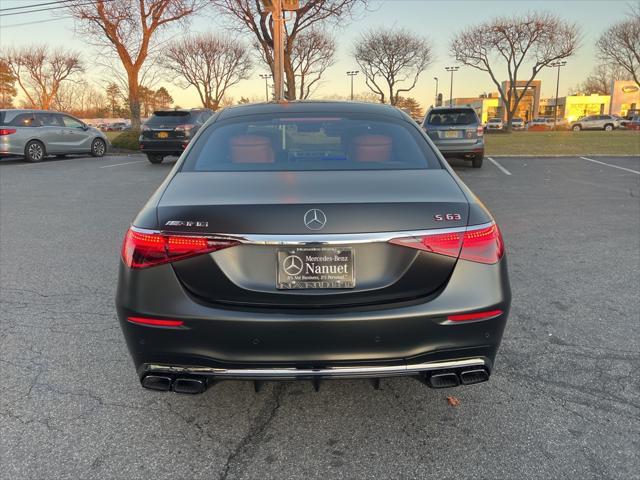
x=274 y=204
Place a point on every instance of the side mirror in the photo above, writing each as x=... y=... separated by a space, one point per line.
x=85 y=127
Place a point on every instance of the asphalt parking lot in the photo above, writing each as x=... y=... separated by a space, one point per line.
x=564 y=401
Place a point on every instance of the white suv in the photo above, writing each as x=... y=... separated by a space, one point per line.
x=596 y=122
x=495 y=123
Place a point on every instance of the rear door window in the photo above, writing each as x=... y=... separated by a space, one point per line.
x=310 y=143
x=461 y=116
x=21 y=120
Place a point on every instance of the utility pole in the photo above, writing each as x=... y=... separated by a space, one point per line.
x=278 y=50
x=266 y=77
x=451 y=69
x=555 y=106
x=352 y=73
x=435 y=104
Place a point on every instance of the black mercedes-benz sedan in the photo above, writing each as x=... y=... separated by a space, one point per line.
x=312 y=240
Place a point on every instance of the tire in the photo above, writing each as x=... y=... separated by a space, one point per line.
x=155 y=158
x=477 y=161
x=608 y=127
x=34 y=151
x=98 y=147
x=576 y=128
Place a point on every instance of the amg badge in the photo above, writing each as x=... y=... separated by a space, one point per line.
x=186 y=223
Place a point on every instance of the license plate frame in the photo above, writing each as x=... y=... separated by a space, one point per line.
x=315 y=268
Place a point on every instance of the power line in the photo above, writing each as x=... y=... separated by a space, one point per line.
x=36 y=22
x=34 y=5
x=59 y=7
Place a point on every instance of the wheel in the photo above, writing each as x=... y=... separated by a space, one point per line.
x=608 y=127
x=34 y=151
x=576 y=128
x=477 y=161
x=155 y=158
x=98 y=147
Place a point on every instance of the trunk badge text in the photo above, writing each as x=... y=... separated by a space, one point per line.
x=186 y=223
x=315 y=219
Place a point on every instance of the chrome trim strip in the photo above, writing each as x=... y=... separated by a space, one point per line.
x=362 y=371
x=322 y=239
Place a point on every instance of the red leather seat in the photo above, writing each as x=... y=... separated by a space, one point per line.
x=251 y=149
x=372 y=148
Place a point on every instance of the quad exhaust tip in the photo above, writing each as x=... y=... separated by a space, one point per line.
x=453 y=379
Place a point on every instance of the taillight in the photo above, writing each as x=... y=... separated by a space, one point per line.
x=184 y=128
x=481 y=244
x=480 y=131
x=465 y=317
x=7 y=131
x=141 y=249
x=144 y=128
x=155 y=322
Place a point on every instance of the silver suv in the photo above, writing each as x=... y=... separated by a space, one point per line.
x=596 y=122
x=36 y=134
x=457 y=132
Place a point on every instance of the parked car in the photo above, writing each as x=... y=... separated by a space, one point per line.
x=457 y=132
x=168 y=132
x=35 y=134
x=309 y=240
x=118 y=127
x=596 y=122
x=517 y=123
x=633 y=124
x=540 y=124
x=494 y=123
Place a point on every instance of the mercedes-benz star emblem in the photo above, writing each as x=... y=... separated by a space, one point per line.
x=292 y=265
x=315 y=219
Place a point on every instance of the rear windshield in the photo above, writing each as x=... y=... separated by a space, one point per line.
x=454 y=116
x=304 y=142
x=168 y=118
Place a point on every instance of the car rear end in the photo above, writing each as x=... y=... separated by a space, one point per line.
x=16 y=129
x=364 y=257
x=456 y=132
x=168 y=132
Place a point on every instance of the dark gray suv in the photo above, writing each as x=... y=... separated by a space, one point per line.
x=457 y=132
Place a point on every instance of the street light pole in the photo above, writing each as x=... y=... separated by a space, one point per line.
x=555 y=106
x=266 y=77
x=451 y=69
x=278 y=50
x=352 y=73
x=435 y=104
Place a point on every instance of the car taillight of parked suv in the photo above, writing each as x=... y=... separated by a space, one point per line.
x=168 y=132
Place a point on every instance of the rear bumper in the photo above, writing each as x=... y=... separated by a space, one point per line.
x=389 y=340
x=170 y=146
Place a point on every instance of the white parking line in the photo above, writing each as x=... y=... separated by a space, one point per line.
x=118 y=164
x=609 y=165
x=500 y=167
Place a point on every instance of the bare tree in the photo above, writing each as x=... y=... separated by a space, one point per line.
x=516 y=44
x=40 y=72
x=392 y=61
x=130 y=28
x=601 y=79
x=209 y=63
x=312 y=53
x=7 y=85
x=620 y=44
x=250 y=17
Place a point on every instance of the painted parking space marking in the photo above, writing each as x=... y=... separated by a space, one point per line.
x=119 y=164
x=610 y=165
x=500 y=167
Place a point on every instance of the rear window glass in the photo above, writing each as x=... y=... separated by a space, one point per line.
x=303 y=142
x=458 y=116
x=168 y=119
x=15 y=119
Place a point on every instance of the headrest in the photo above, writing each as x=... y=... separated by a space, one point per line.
x=251 y=149
x=372 y=148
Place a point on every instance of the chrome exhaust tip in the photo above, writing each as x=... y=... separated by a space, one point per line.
x=156 y=382
x=478 y=375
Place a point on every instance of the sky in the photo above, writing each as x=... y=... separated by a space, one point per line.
x=435 y=19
